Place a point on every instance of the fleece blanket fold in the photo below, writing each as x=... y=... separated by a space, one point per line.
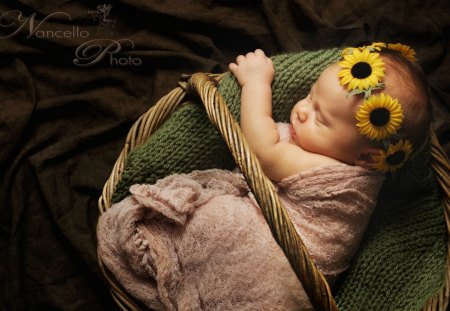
x=198 y=241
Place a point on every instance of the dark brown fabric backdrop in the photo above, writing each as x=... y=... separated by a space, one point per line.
x=63 y=125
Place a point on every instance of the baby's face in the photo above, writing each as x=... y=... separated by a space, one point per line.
x=324 y=122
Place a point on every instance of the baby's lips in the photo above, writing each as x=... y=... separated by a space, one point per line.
x=291 y=131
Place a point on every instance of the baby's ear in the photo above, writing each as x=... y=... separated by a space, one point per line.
x=365 y=159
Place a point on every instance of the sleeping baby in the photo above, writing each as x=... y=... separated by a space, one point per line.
x=199 y=241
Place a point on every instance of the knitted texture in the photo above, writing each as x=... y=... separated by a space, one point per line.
x=401 y=262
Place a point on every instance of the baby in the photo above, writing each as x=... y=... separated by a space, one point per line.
x=199 y=241
x=322 y=125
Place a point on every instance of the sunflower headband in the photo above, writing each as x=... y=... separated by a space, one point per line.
x=379 y=116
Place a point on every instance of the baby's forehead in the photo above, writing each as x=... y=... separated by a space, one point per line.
x=328 y=78
x=333 y=97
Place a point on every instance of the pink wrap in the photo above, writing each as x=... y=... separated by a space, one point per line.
x=199 y=241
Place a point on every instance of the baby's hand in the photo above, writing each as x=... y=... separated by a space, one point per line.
x=253 y=68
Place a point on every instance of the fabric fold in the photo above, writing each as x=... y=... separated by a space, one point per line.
x=331 y=212
x=199 y=241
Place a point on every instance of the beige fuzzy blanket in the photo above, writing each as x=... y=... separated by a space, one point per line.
x=200 y=242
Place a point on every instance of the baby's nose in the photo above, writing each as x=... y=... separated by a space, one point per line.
x=303 y=114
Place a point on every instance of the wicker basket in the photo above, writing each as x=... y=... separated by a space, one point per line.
x=205 y=86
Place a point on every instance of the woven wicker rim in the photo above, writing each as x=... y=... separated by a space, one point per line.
x=205 y=86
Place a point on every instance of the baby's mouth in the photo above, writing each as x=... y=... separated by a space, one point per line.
x=292 y=132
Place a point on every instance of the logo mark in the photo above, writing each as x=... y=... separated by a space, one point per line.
x=94 y=51
x=20 y=21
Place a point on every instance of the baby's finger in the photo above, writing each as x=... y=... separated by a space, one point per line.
x=259 y=52
x=240 y=59
x=249 y=54
x=269 y=61
x=233 y=67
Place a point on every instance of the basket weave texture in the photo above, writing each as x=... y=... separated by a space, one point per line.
x=205 y=87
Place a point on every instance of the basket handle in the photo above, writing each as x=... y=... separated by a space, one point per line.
x=275 y=214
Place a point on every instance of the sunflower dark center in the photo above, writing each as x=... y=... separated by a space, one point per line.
x=361 y=70
x=380 y=116
x=396 y=158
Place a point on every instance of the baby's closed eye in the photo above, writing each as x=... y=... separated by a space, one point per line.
x=319 y=121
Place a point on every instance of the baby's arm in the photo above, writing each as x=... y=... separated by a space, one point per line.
x=278 y=159
x=255 y=75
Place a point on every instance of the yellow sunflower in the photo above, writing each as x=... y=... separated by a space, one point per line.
x=379 y=116
x=394 y=158
x=347 y=51
x=361 y=70
x=405 y=50
x=375 y=46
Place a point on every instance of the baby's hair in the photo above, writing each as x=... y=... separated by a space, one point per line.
x=417 y=108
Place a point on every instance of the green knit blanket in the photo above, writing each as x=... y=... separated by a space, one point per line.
x=401 y=262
